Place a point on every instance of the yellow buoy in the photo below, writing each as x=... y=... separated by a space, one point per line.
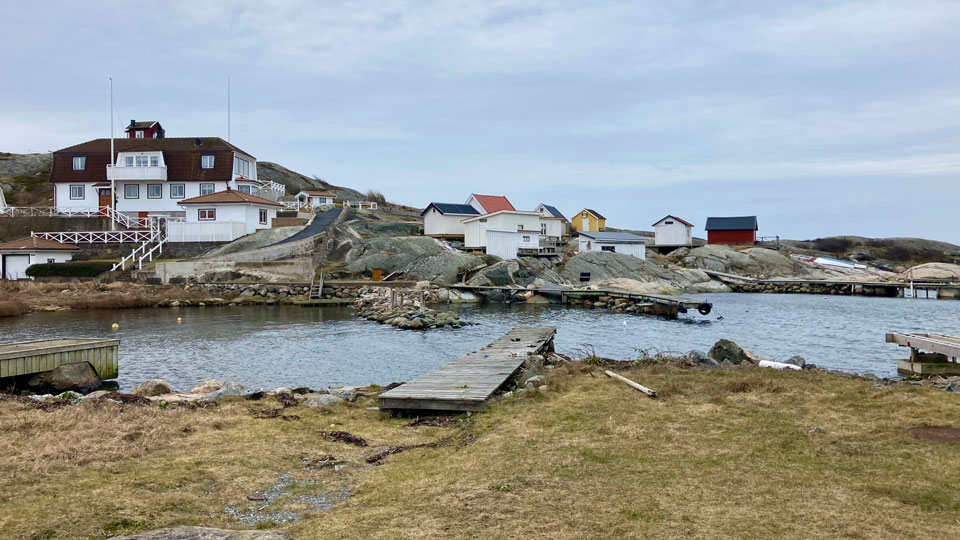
x=115 y=326
x=179 y=320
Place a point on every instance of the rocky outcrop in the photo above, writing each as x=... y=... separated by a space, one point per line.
x=24 y=164
x=296 y=182
x=522 y=271
x=79 y=377
x=419 y=257
x=933 y=271
x=635 y=275
x=753 y=262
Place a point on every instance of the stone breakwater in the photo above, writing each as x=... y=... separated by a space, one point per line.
x=248 y=290
x=810 y=288
x=405 y=308
x=625 y=305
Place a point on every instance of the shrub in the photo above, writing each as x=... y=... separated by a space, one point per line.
x=69 y=269
x=376 y=196
x=832 y=245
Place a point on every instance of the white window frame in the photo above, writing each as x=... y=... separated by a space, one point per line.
x=207 y=161
x=82 y=192
x=126 y=191
x=138 y=134
x=183 y=191
x=609 y=249
x=154 y=161
x=149 y=186
x=263 y=216
x=143 y=161
x=213 y=188
x=210 y=213
x=245 y=188
x=79 y=163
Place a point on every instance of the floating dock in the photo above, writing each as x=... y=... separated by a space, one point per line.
x=940 y=358
x=31 y=357
x=468 y=382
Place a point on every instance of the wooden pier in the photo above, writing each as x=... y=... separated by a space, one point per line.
x=890 y=289
x=30 y=357
x=468 y=382
x=940 y=358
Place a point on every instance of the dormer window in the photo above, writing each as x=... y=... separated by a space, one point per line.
x=154 y=161
x=128 y=161
x=206 y=162
x=79 y=163
x=139 y=134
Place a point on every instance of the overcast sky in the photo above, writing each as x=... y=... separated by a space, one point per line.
x=821 y=118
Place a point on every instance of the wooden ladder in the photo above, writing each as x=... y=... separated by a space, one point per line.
x=316 y=289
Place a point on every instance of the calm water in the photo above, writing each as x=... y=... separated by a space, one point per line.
x=272 y=346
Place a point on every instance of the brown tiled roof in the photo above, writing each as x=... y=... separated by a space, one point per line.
x=181 y=154
x=34 y=243
x=229 y=196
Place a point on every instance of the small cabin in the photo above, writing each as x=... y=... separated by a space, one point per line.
x=149 y=129
x=732 y=231
x=552 y=222
x=588 y=220
x=445 y=220
x=315 y=199
x=673 y=232
x=614 y=242
x=17 y=256
x=475 y=228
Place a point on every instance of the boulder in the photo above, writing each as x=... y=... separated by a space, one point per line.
x=227 y=389
x=756 y=262
x=796 y=360
x=206 y=387
x=153 y=387
x=699 y=358
x=536 y=380
x=201 y=533
x=630 y=274
x=321 y=401
x=727 y=351
x=80 y=377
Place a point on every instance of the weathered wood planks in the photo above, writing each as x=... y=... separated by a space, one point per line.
x=30 y=357
x=468 y=382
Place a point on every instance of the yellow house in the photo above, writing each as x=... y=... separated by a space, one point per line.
x=588 y=220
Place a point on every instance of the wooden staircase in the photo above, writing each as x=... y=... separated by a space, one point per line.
x=316 y=288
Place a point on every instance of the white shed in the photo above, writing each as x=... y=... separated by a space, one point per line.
x=17 y=256
x=475 y=228
x=615 y=242
x=507 y=244
x=445 y=220
x=672 y=231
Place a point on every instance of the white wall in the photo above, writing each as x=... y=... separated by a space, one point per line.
x=248 y=214
x=16 y=266
x=637 y=250
x=501 y=243
x=205 y=231
x=673 y=234
x=436 y=224
x=555 y=227
x=475 y=229
x=61 y=195
x=164 y=204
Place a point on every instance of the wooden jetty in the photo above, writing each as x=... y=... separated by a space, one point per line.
x=890 y=289
x=30 y=357
x=940 y=358
x=468 y=382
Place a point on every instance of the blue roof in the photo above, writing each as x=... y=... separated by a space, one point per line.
x=740 y=223
x=553 y=211
x=452 y=208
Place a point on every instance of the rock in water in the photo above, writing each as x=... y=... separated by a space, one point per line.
x=201 y=533
x=206 y=387
x=153 y=387
x=80 y=377
x=726 y=350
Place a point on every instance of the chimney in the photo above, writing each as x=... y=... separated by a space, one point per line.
x=133 y=123
x=196 y=141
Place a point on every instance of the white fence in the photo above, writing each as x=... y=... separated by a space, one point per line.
x=212 y=231
x=97 y=237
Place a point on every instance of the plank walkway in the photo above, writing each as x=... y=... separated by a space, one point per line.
x=940 y=358
x=468 y=382
x=30 y=357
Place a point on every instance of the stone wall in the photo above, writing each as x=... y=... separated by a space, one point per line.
x=812 y=288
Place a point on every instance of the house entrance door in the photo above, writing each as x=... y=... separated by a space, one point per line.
x=104 y=199
x=586 y=224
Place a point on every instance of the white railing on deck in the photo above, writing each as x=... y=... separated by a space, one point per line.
x=95 y=237
x=360 y=205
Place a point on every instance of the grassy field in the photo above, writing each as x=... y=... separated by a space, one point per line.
x=720 y=454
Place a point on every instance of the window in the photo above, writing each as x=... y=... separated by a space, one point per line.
x=155 y=134
x=206 y=189
x=241 y=167
x=131 y=191
x=206 y=162
x=154 y=191
x=138 y=134
x=526 y=238
x=244 y=189
x=207 y=214
x=143 y=161
x=129 y=161
x=263 y=217
x=176 y=191
x=51 y=261
x=154 y=161
x=668 y=222
x=543 y=229
x=608 y=248
x=76 y=192
x=79 y=163
x=520 y=227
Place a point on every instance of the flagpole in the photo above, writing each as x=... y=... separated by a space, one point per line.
x=113 y=162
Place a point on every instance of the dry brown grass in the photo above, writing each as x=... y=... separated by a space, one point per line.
x=11 y=306
x=721 y=454
x=27 y=296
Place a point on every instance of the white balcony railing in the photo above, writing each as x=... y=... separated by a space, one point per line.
x=136 y=173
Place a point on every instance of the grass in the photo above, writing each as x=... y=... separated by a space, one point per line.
x=721 y=454
x=21 y=297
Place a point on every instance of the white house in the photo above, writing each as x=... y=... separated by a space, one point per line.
x=17 y=256
x=151 y=175
x=552 y=222
x=475 y=228
x=445 y=220
x=617 y=242
x=315 y=199
x=222 y=216
x=672 y=231
x=507 y=244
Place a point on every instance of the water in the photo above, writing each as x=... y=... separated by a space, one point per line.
x=271 y=346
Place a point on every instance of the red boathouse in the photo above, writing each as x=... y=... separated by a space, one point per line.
x=732 y=231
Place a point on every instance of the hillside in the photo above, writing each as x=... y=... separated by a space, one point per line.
x=24 y=179
x=297 y=182
x=889 y=251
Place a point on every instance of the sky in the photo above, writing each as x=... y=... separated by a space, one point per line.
x=821 y=118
